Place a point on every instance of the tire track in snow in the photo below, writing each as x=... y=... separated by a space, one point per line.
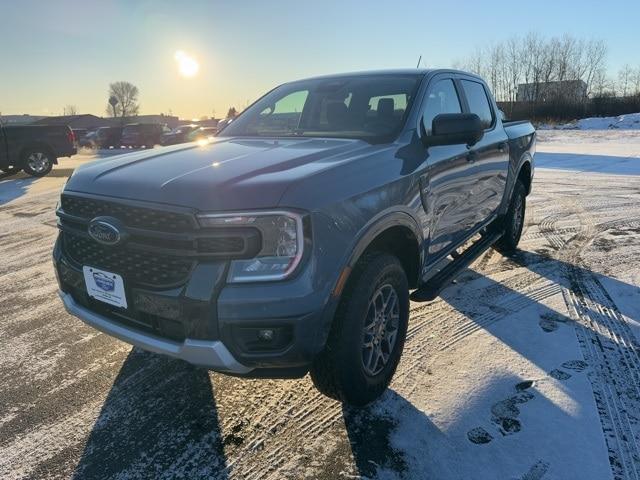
x=608 y=346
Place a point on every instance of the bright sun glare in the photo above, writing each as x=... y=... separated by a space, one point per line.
x=187 y=66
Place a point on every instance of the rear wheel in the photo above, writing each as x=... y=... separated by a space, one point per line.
x=37 y=162
x=514 y=220
x=368 y=333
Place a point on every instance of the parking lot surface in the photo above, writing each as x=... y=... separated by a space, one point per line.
x=526 y=367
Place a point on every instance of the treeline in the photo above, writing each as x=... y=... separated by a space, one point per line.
x=564 y=76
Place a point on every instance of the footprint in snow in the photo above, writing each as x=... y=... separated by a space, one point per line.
x=559 y=374
x=548 y=325
x=576 y=365
x=504 y=414
x=479 y=435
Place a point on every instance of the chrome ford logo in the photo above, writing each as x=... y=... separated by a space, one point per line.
x=105 y=231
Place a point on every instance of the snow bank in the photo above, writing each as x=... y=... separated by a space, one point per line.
x=630 y=121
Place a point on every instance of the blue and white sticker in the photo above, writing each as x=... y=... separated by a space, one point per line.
x=105 y=286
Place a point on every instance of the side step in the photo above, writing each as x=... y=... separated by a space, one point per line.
x=436 y=284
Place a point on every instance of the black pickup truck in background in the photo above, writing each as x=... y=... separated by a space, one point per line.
x=34 y=148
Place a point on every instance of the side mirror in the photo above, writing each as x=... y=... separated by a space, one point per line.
x=454 y=129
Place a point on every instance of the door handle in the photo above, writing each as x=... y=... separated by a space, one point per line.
x=472 y=156
x=502 y=147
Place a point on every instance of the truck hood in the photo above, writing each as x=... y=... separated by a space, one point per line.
x=227 y=174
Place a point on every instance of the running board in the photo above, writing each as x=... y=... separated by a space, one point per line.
x=436 y=284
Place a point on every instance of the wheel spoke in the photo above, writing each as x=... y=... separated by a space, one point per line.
x=380 y=331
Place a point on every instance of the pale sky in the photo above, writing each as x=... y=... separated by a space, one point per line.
x=55 y=53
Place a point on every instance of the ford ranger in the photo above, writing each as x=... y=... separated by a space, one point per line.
x=293 y=241
x=34 y=148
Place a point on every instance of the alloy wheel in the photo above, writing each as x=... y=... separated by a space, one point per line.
x=38 y=162
x=380 y=330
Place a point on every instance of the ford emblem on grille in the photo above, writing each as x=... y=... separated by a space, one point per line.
x=106 y=231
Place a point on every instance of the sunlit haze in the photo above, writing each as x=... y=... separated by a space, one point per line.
x=67 y=52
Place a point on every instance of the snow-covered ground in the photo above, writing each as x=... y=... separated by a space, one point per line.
x=630 y=121
x=526 y=368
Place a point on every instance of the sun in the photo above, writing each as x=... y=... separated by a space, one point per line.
x=187 y=65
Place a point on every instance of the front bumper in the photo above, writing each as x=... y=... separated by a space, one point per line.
x=210 y=323
x=207 y=353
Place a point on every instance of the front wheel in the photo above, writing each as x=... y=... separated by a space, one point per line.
x=513 y=221
x=37 y=162
x=368 y=333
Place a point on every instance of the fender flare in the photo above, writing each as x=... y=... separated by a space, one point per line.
x=513 y=176
x=378 y=224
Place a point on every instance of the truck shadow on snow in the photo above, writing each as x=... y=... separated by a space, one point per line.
x=160 y=417
x=13 y=186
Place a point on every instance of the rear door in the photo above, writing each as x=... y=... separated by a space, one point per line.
x=489 y=158
x=444 y=183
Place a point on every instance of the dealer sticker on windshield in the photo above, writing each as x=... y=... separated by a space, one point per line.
x=105 y=286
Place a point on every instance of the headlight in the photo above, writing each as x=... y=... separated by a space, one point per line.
x=282 y=244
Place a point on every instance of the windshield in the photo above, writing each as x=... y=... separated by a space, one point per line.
x=368 y=107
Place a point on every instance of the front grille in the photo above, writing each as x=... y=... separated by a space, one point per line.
x=137 y=217
x=227 y=245
x=136 y=266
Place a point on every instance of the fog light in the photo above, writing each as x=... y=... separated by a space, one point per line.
x=266 y=335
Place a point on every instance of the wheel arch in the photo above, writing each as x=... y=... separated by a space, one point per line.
x=525 y=174
x=397 y=233
x=37 y=145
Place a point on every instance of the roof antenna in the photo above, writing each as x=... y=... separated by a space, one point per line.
x=419 y=60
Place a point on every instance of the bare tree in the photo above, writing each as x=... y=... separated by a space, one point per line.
x=635 y=81
x=232 y=113
x=70 y=110
x=126 y=96
x=625 y=76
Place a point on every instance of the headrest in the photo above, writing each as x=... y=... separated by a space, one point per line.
x=386 y=107
x=336 y=113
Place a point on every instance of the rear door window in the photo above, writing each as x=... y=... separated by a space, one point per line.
x=478 y=102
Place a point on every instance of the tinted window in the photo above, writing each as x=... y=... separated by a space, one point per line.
x=478 y=101
x=370 y=107
x=442 y=98
x=283 y=115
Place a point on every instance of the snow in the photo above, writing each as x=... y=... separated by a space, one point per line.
x=584 y=183
x=630 y=121
x=536 y=355
x=591 y=151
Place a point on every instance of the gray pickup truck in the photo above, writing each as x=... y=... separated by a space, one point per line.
x=34 y=148
x=293 y=241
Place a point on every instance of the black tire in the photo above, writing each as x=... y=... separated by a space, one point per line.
x=38 y=162
x=339 y=371
x=513 y=221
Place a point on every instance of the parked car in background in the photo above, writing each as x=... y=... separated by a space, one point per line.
x=34 y=148
x=179 y=135
x=292 y=243
x=80 y=134
x=203 y=133
x=141 y=135
x=104 y=137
